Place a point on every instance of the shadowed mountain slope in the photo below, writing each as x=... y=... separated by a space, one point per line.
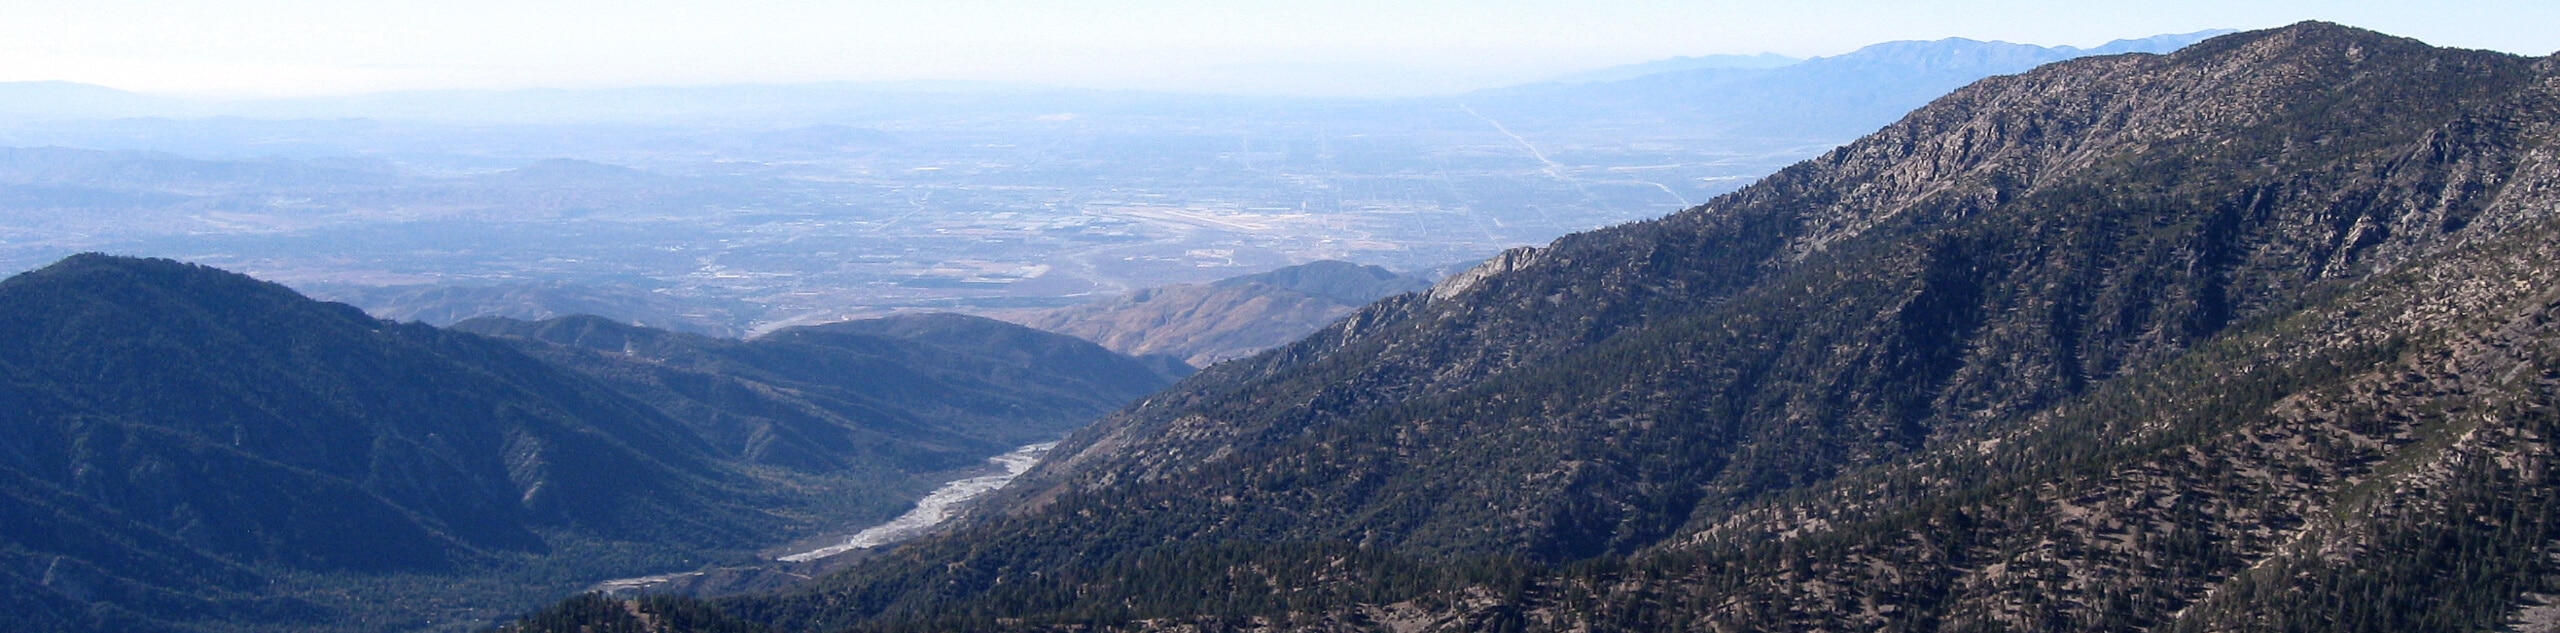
x=167 y=424
x=913 y=393
x=2257 y=335
x=187 y=449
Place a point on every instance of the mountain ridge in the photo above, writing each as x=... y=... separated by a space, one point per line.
x=2099 y=341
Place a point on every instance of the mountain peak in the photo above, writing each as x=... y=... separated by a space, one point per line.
x=2330 y=41
x=95 y=262
x=117 y=283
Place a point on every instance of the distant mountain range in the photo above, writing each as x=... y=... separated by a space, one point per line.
x=182 y=447
x=63 y=99
x=854 y=100
x=1203 y=324
x=1840 y=96
x=1676 y=64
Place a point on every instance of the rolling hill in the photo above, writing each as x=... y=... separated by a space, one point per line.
x=1203 y=324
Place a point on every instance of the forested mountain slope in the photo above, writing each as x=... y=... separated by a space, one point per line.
x=168 y=427
x=188 y=449
x=2256 y=335
x=909 y=393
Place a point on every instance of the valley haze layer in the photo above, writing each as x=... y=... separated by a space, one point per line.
x=744 y=209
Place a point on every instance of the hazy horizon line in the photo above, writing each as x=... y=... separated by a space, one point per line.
x=956 y=84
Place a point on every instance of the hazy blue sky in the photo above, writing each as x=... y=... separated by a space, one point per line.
x=295 y=47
